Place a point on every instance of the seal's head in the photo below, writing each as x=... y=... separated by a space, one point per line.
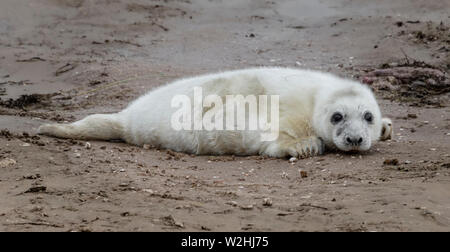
x=348 y=119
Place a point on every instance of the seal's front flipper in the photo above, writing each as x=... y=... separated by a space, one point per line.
x=387 y=130
x=307 y=147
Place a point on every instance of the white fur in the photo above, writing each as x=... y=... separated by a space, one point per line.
x=388 y=130
x=307 y=101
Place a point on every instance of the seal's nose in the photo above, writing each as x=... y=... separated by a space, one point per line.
x=354 y=141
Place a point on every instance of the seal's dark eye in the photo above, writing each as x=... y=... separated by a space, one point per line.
x=336 y=117
x=368 y=117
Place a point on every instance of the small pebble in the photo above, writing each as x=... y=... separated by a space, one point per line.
x=267 y=202
x=232 y=203
x=391 y=161
x=148 y=191
x=247 y=207
x=7 y=162
x=179 y=224
x=303 y=174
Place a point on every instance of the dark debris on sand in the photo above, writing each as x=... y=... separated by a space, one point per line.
x=414 y=82
x=25 y=101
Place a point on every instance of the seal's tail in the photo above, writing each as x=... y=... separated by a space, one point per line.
x=93 y=127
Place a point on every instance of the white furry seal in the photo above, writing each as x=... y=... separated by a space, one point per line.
x=316 y=111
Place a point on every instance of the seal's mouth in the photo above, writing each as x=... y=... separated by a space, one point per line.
x=346 y=146
x=351 y=140
x=350 y=150
x=353 y=150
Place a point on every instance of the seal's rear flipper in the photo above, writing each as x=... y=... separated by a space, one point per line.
x=93 y=127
